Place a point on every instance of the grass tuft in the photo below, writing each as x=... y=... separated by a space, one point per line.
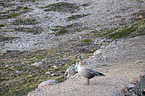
x=86 y=40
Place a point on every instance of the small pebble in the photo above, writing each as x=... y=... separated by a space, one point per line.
x=47 y=72
x=7 y=66
x=140 y=16
x=54 y=66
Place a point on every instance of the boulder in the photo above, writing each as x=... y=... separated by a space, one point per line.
x=72 y=70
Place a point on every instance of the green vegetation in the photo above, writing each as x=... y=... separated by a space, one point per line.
x=108 y=32
x=27 y=0
x=86 y=40
x=91 y=50
x=24 y=8
x=14 y=12
x=137 y=19
x=73 y=17
x=85 y=4
x=61 y=7
x=2 y=25
x=34 y=30
x=12 y=15
x=29 y=21
x=60 y=79
x=61 y=31
x=132 y=30
x=3 y=38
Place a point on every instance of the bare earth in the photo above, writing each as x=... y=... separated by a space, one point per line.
x=120 y=71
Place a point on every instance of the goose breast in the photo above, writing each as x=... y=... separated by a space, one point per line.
x=86 y=72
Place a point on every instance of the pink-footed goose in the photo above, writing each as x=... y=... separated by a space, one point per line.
x=86 y=71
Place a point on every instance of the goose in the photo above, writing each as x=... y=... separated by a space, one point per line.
x=86 y=71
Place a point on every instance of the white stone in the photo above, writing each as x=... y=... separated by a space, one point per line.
x=47 y=72
x=18 y=71
x=130 y=86
x=7 y=66
x=54 y=66
x=36 y=64
x=102 y=47
x=98 y=51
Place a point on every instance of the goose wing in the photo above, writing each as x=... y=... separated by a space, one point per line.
x=93 y=72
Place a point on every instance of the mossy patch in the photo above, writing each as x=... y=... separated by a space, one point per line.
x=4 y=38
x=14 y=12
x=62 y=7
x=137 y=18
x=34 y=30
x=6 y=3
x=86 y=40
x=28 y=21
x=60 y=79
x=39 y=57
x=27 y=0
x=12 y=15
x=61 y=30
x=91 y=50
x=73 y=17
x=85 y=4
x=24 y=8
x=18 y=8
x=132 y=30
x=108 y=32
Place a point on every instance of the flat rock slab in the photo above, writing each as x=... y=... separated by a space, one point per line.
x=118 y=74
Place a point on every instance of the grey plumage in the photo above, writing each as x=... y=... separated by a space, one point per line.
x=87 y=72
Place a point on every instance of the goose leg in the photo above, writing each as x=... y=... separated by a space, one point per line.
x=88 y=80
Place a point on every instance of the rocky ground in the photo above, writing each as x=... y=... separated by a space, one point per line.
x=38 y=41
x=122 y=62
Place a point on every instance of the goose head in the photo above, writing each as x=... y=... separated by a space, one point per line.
x=78 y=57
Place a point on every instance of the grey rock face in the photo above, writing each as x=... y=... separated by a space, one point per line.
x=137 y=89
